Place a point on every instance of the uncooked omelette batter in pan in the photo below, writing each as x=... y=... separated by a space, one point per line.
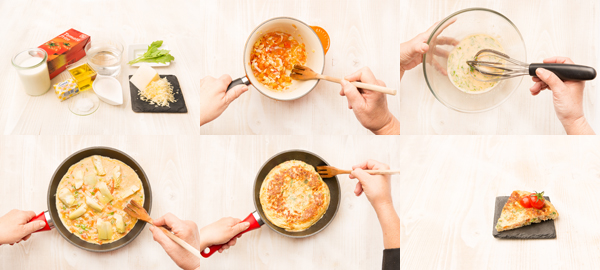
x=91 y=195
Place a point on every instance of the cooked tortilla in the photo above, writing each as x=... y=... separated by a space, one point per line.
x=91 y=195
x=514 y=215
x=293 y=196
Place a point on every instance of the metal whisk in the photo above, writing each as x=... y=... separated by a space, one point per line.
x=501 y=67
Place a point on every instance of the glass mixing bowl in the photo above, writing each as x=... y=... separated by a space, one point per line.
x=452 y=30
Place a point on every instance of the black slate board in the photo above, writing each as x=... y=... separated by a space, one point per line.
x=138 y=105
x=543 y=230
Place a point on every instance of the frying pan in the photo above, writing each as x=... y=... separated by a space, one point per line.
x=314 y=38
x=258 y=218
x=51 y=216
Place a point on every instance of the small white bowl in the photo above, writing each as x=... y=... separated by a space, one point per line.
x=108 y=89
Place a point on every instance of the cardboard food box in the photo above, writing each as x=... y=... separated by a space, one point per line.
x=65 y=49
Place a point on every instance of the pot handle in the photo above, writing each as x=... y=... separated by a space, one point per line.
x=323 y=36
x=238 y=81
x=255 y=223
x=45 y=217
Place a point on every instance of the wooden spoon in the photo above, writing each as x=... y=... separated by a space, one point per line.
x=329 y=171
x=137 y=211
x=304 y=73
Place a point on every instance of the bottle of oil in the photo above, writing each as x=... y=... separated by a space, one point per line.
x=84 y=76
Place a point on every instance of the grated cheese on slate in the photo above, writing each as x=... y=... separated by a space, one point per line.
x=159 y=93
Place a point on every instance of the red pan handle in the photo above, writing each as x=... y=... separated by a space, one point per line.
x=255 y=223
x=45 y=217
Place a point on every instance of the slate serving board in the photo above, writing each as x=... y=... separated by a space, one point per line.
x=138 y=105
x=543 y=230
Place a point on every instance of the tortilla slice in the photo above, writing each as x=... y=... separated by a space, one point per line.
x=514 y=215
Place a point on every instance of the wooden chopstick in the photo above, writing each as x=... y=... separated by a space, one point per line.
x=367 y=86
x=180 y=241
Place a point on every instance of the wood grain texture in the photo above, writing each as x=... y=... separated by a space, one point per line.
x=549 y=28
x=352 y=241
x=362 y=32
x=447 y=200
x=31 y=23
x=207 y=39
x=201 y=179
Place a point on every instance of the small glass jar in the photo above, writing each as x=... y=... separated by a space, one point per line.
x=104 y=56
x=33 y=70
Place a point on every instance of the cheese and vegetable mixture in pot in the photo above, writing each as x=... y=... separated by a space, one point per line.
x=461 y=74
x=273 y=57
x=91 y=195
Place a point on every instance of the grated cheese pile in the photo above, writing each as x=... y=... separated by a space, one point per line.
x=159 y=92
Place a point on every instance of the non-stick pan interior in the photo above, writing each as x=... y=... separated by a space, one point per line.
x=62 y=170
x=309 y=158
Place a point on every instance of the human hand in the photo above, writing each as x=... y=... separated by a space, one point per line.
x=222 y=232
x=15 y=227
x=186 y=230
x=567 y=97
x=370 y=107
x=376 y=187
x=379 y=192
x=214 y=97
x=412 y=51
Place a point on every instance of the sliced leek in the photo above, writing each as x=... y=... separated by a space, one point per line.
x=90 y=180
x=98 y=165
x=117 y=176
x=105 y=195
x=78 y=176
x=92 y=203
x=79 y=212
x=129 y=191
x=119 y=223
x=65 y=196
x=104 y=229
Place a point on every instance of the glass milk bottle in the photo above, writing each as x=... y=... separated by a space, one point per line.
x=32 y=68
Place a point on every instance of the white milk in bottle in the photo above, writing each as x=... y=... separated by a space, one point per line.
x=33 y=71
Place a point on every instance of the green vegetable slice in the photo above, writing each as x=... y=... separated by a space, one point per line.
x=154 y=55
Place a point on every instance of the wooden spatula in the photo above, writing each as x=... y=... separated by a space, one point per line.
x=305 y=73
x=137 y=211
x=329 y=171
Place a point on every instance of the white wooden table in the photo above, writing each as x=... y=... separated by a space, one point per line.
x=448 y=191
x=200 y=179
x=363 y=33
x=32 y=23
x=549 y=28
x=206 y=38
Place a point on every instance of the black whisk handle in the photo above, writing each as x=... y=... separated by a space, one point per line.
x=566 y=72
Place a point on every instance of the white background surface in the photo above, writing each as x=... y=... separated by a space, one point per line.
x=448 y=182
x=32 y=23
x=549 y=28
x=448 y=189
x=206 y=38
x=362 y=33
x=200 y=179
